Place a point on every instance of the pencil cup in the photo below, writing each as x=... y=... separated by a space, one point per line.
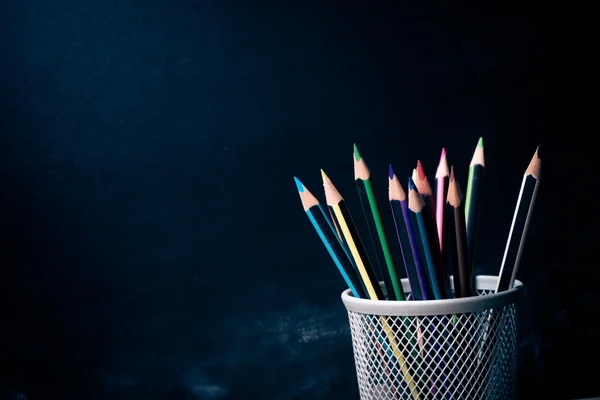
x=437 y=349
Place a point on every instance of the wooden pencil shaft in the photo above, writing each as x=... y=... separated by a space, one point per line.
x=440 y=202
x=383 y=241
x=432 y=237
x=446 y=262
x=385 y=356
x=433 y=343
x=401 y=362
x=429 y=200
x=472 y=210
x=374 y=236
x=424 y=289
x=414 y=276
x=412 y=235
x=339 y=234
x=516 y=232
x=460 y=234
x=449 y=252
x=364 y=203
x=360 y=256
x=522 y=242
x=425 y=254
x=335 y=225
x=326 y=232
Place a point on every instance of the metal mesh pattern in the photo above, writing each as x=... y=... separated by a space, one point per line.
x=462 y=356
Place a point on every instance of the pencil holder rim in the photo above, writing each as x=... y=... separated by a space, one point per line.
x=437 y=307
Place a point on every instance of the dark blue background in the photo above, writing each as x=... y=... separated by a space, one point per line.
x=153 y=245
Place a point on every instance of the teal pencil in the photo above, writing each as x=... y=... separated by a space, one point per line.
x=328 y=236
x=416 y=205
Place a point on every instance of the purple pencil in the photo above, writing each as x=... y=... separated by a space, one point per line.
x=406 y=237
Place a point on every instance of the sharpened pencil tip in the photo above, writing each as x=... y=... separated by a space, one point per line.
x=356 y=153
x=534 y=166
x=452 y=173
x=478 y=157
x=411 y=184
x=539 y=151
x=442 y=169
x=420 y=171
x=299 y=185
x=391 y=172
x=324 y=176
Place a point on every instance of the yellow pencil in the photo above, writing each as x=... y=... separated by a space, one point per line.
x=338 y=207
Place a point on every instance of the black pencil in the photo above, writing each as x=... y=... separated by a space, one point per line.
x=520 y=224
x=473 y=202
x=337 y=207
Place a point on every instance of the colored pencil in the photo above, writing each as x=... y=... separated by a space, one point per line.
x=337 y=206
x=335 y=225
x=441 y=180
x=520 y=224
x=422 y=183
x=518 y=231
x=424 y=188
x=368 y=200
x=344 y=219
x=422 y=217
x=416 y=205
x=406 y=237
x=449 y=257
x=391 y=336
x=458 y=235
x=325 y=228
x=387 y=358
x=404 y=231
x=473 y=202
x=327 y=234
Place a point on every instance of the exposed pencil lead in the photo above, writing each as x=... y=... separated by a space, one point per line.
x=420 y=171
x=442 y=169
x=411 y=184
x=299 y=185
x=356 y=153
x=534 y=166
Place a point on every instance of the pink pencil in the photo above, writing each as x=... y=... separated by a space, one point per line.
x=441 y=176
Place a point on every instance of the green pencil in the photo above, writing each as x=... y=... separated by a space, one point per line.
x=362 y=176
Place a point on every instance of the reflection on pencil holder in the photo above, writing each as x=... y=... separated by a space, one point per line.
x=463 y=348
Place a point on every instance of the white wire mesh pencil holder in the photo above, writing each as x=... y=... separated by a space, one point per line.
x=437 y=349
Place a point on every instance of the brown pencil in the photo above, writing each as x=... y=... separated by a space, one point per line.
x=458 y=238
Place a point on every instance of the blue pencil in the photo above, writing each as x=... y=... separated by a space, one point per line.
x=334 y=246
x=416 y=204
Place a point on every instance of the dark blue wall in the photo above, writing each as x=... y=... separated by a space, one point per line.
x=153 y=245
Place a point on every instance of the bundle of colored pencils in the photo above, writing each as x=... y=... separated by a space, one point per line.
x=436 y=233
